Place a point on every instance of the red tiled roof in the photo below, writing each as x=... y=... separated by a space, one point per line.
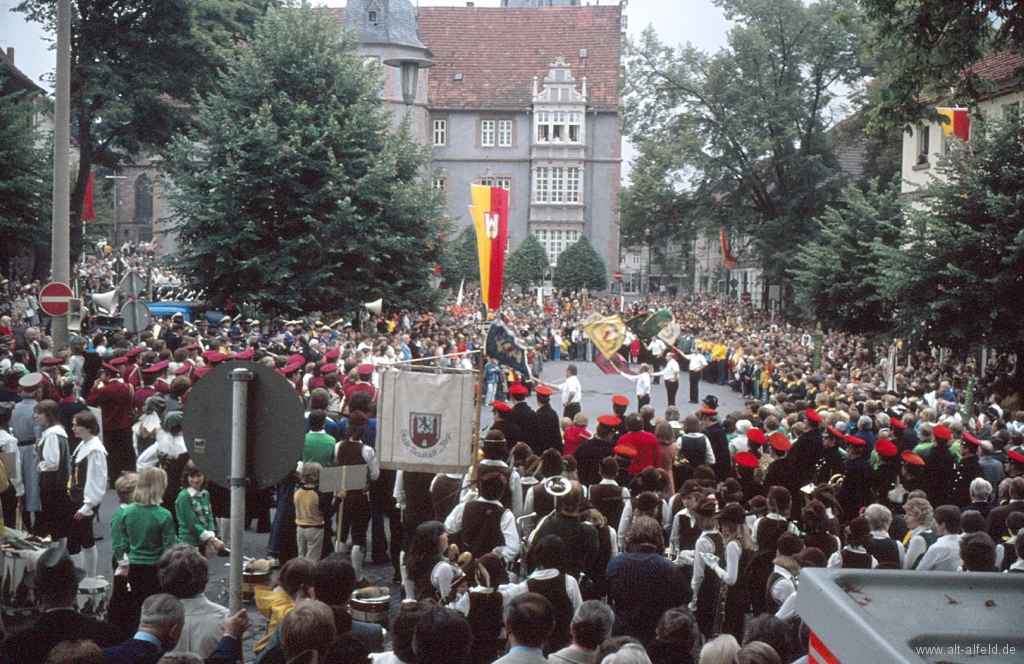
x=498 y=51
x=999 y=68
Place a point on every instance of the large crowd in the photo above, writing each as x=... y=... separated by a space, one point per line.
x=611 y=534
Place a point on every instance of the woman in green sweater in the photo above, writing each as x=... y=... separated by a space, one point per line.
x=192 y=507
x=148 y=531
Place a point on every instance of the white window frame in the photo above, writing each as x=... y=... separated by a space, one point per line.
x=487 y=130
x=541 y=184
x=440 y=133
x=504 y=133
x=555 y=240
x=440 y=183
x=575 y=126
x=491 y=181
x=557 y=185
x=558 y=126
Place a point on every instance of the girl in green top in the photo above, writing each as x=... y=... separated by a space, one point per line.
x=192 y=507
x=148 y=531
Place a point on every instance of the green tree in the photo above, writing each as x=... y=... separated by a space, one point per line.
x=526 y=264
x=747 y=124
x=133 y=64
x=839 y=278
x=459 y=259
x=929 y=46
x=26 y=175
x=293 y=192
x=580 y=265
x=958 y=274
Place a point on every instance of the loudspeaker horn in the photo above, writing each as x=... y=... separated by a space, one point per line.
x=106 y=301
x=375 y=306
x=75 y=315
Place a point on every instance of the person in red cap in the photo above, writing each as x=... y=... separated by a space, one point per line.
x=855 y=491
x=807 y=449
x=887 y=470
x=363 y=384
x=968 y=470
x=939 y=467
x=114 y=399
x=549 y=424
x=504 y=423
x=744 y=465
x=780 y=470
x=593 y=450
x=830 y=463
x=524 y=417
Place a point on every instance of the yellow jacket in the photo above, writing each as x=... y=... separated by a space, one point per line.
x=718 y=352
x=274 y=604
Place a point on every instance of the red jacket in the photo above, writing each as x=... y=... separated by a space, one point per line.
x=648 y=451
x=115 y=403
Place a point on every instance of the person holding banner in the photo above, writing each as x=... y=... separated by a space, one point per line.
x=355 y=506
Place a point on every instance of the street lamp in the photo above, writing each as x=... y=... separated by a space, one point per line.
x=410 y=75
x=115 y=177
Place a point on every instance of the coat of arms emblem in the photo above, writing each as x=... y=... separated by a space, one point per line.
x=425 y=429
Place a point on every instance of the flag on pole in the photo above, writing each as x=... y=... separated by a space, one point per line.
x=959 y=122
x=730 y=260
x=504 y=347
x=608 y=334
x=88 y=211
x=490 y=217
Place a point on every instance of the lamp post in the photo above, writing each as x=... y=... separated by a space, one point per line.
x=410 y=68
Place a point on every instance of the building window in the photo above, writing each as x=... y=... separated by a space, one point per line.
x=559 y=126
x=504 y=183
x=555 y=240
x=143 y=200
x=504 y=133
x=636 y=259
x=441 y=183
x=923 y=141
x=487 y=133
x=440 y=132
x=372 y=16
x=557 y=185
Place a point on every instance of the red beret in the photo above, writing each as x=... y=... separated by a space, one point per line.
x=897 y=423
x=246 y=354
x=708 y=411
x=620 y=400
x=118 y=361
x=501 y=406
x=183 y=369
x=543 y=390
x=624 y=450
x=942 y=432
x=331 y=354
x=757 y=436
x=854 y=440
x=191 y=347
x=834 y=433
x=971 y=440
x=518 y=389
x=295 y=357
x=813 y=415
x=780 y=441
x=365 y=370
x=746 y=460
x=156 y=368
x=52 y=362
x=134 y=351
x=1015 y=456
x=330 y=367
x=886 y=448
x=912 y=459
x=210 y=354
x=291 y=367
x=111 y=368
x=609 y=420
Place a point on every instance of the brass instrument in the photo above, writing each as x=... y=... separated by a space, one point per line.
x=836 y=480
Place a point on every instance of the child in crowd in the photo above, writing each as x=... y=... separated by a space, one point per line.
x=148 y=530
x=311 y=512
x=119 y=611
x=195 y=520
x=293 y=584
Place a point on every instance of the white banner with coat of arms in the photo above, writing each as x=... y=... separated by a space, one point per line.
x=425 y=421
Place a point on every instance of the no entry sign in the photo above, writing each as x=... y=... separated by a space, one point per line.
x=53 y=299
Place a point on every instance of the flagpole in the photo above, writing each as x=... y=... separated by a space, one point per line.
x=480 y=387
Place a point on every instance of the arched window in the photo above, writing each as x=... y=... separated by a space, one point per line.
x=143 y=199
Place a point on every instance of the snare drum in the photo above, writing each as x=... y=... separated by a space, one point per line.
x=93 y=597
x=16 y=598
x=370 y=609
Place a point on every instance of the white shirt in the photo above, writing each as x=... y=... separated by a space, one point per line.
x=657 y=346
x=8 y=445
x=915 y=546
x=453 y=524
x=372 y=464
x=49 y=447
x=627 y=519
x=643 y=383
x=170 y=446
x=709 y=454
x=697 y=361
x=784 y=587
x=571 y=386
x=704 y=545
x=96 y=480
x=514 y=485
x=881 y=534
x=836 y=559
x=671 y=370
x=943 y=556
x=572 y=588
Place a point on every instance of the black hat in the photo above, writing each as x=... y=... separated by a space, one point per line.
x=54 y=568
x=711 y=401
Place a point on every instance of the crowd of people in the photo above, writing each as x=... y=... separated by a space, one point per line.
x=607 y=532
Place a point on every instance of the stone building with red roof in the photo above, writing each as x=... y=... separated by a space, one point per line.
x=519 y=96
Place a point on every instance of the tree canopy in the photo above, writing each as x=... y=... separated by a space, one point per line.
x=293 y=192
x=746 y=125
x=135 y=65
x=459 y=259
x=526 y=264
x=580 y=265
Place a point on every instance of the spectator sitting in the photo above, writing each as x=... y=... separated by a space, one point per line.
x=76 y=652
x=630 y=653
x=674 y=639
x=184 y=573
x=307 y=632
x=978 y=553
x=529 y=621
x=758 y=652
x=591 y=625
x=403 y=628
x=442 y=637
x=160 y=626
x=720 y=650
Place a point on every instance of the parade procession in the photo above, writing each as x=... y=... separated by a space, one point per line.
x=338 y=334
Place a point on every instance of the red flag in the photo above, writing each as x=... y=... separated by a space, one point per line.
x=490 y=217
x=88 y=212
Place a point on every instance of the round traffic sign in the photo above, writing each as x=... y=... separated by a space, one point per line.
x=136 y=316
x=618 y=275
x=53 y=299
x=746 y=297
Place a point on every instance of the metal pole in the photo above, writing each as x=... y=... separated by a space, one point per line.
x=239 y=420
x=481 y=386
x=60 y=248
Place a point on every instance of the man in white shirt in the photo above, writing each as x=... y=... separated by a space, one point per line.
x=657 y=348
x=944 y=555
x=697 y=362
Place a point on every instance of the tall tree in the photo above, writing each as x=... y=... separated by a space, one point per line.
x=293 y=192
x=747 y=124
x=26 y=175
x=526 y=264
x=929 y=46
x=459 y=259
x=839 y=278
x=958 y=274
x=579 y=265
x=135 y=64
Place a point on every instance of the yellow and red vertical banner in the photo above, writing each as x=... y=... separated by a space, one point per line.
x=88 y=211
x=959 y=123
x=730 y=260
x=490 y=217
